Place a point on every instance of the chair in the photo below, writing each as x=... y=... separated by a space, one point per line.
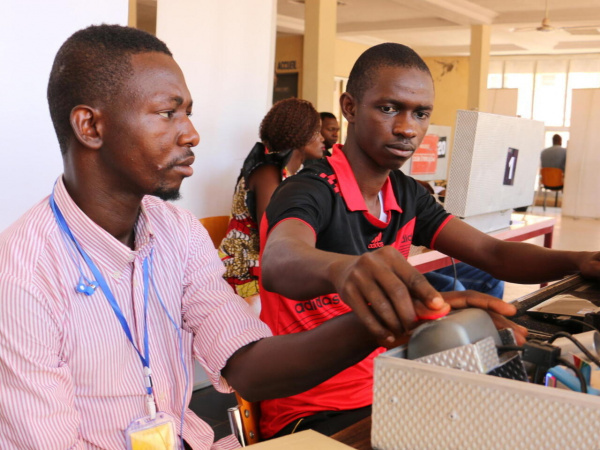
x=249 y=412
x=216 y=227
x=552 y=180
x=250 y=418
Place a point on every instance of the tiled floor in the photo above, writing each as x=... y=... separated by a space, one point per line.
x=569 y=234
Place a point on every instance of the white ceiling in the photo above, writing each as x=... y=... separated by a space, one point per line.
x=442 y=27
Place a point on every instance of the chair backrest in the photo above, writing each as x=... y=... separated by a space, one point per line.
x=250 y=412
x=552 y=177
x=216 y=227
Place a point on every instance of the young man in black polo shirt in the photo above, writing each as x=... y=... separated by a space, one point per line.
x=339 y=234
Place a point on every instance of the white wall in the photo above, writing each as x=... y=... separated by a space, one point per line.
x=226 y=50
x=31 y=31
x=582 y=183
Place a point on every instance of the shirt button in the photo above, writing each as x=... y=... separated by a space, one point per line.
x=131 y=257
x=116 y=275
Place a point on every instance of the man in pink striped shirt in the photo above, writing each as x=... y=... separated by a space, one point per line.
x=104 y=286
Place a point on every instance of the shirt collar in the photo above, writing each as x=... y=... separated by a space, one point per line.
x=349 y=187
x=104 y=249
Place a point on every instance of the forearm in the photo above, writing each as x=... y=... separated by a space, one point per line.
x=511 y=261
x=281 y=366
x=297 y=270
x=526 y=263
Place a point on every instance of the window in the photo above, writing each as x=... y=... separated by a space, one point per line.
x=582 y=74
x=519 y=74
x=545 y=85
x=550 y=90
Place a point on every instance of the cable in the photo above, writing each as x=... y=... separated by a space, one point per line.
x=180 y=342
x=579 y=345
x=581 y=322
x=545 y=355
x=577 y=371
x=455 y=274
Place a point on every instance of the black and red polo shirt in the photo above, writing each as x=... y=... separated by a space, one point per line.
x=327 y=198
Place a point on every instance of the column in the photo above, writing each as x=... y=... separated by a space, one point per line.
x=320 y=22
x=132 y=20
x=479 y=62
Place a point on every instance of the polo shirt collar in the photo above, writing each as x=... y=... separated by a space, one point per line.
x=105 y=250
x=349 y=187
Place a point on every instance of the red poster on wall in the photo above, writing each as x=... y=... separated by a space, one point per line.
x=424 y=159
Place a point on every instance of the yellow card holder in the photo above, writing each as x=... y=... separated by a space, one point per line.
x=152 y=434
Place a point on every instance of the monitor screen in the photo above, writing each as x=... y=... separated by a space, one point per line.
x=493 y=168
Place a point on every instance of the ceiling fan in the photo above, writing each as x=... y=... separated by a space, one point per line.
x=546 y=26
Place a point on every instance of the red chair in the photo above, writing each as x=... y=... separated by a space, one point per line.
x=552 y=180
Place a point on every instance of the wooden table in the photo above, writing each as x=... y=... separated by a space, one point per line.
x=523 y=229
x=357 y=436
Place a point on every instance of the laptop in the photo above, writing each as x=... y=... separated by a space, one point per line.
x=573 y=303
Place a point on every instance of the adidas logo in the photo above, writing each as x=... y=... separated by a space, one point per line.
x=376 y=242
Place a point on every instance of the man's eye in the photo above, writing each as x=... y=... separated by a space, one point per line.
x=189 y=114
x=422 y=114
x=166 y=114
x=388 y=109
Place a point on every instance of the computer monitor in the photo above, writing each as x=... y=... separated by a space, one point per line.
x=430 y=160
x=493 y=168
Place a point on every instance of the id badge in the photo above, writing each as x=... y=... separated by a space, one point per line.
x=152 y=434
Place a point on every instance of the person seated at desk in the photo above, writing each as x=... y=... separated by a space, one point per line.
x=108 y=292
x=336 y=236
x=555 y=156
x=289 y=136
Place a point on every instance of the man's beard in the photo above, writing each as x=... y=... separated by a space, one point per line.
x=167 y=194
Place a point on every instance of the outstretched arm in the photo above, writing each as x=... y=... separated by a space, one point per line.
x=513 y=261
x=285 y=365
x=281 y=366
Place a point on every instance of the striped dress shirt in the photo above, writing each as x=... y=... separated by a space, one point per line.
x=69 y=377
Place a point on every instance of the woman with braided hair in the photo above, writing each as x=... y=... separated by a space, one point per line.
x=289 y=135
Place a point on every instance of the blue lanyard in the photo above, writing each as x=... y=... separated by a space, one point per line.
x=145 y=358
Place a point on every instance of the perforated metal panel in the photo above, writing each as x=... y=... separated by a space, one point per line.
x=422 y=406
x=480 y=357
x=476 y=175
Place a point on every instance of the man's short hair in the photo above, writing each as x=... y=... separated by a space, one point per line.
x=326 y=115
x=556 y=139
x=91 y=67
x=382 y=55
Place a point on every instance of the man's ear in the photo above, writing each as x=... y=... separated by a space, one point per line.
x=87 y=126
x=348 y=106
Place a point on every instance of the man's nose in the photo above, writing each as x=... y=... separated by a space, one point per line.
x=405 y=125
x=189 y=137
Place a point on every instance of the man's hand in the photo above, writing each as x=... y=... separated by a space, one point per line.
x=381 y=288
x=496 y=308
x=590 y=267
